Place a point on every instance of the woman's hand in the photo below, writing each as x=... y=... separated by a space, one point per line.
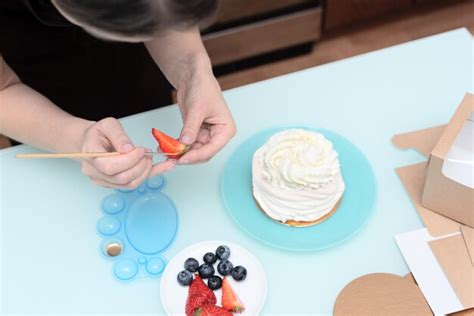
x=128 y=170
x=208 y=123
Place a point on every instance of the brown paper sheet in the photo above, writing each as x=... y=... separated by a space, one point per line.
x=410 y=278
x=468 y=234
x=422 y=141
x=452 y=255
x=467 y=312
x=381 y=294
x=413 y=179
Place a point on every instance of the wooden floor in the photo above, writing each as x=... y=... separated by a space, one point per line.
x=425 y=21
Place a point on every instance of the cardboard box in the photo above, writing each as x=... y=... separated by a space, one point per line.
x=446 y=240
x=443 y=198
x=447 y=187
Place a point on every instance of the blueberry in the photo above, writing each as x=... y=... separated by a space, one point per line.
x=210 y=258
x=214 y=282
x=239 y=273
x=223 y=252
x=185 y=277
x=191 y=264
x=206 y=270
x=225 y=267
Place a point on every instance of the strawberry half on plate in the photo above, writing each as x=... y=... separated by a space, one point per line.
x=199 y=295
x=230 y=300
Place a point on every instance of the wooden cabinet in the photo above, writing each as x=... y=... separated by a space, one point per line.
x=248 y=28
x=263 y=37
x=339 y=13
x=234 y=10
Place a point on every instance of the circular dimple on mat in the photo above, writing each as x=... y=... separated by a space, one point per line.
x=113 y=204
x=151 y=223
x=155 y=183
x=125 y=269
x=155 y=266
x=125 y=190
x=108 y=225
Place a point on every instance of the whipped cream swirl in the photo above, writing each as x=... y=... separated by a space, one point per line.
x=296 y=176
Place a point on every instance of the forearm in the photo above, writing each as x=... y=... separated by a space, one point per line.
x=29 y=117
x=180 y=55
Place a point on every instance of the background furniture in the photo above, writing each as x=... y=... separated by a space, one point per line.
x=245 y=29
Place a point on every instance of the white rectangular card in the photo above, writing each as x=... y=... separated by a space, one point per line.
x=427 y=272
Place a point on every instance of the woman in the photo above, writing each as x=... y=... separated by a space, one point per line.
x=60 y=87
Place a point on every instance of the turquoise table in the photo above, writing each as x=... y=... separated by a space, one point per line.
x=49 y=248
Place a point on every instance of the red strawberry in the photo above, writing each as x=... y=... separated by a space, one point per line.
x=211 y=310
x=230 y=300
x=198 y=295
x=169 y=145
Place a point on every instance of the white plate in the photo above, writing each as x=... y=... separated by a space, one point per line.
x=252 y=291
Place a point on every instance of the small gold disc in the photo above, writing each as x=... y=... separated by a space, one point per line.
x=113 y=249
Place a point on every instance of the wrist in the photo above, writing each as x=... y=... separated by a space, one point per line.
x=77 y=130
x=195 y=67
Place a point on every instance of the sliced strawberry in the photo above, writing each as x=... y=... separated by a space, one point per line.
x=199 y=295
x=211 y=310
x=169 y=145
x=230 y=300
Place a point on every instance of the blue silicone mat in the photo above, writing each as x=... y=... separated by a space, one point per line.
x=355 y=207
x=136 y=228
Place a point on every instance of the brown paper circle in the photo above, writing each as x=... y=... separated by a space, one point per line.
x=381 y=294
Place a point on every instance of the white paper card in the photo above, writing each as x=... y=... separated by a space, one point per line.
x=427 y=272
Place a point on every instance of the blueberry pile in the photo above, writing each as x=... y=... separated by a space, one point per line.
x=207 y=270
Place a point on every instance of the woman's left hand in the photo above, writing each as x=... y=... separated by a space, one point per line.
x=208 y=123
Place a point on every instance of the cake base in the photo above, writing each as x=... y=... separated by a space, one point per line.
x=294 y=223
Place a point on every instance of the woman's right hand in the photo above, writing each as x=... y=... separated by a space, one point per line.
x=128 y=170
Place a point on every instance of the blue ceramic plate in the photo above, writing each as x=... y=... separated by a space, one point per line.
x=354 y=210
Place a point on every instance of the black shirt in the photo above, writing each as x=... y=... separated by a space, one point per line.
x=85 y=76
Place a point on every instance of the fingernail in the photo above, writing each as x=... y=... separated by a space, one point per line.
x=186 y=139
x=127 y=147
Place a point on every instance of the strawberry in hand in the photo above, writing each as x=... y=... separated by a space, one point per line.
x=169 y=145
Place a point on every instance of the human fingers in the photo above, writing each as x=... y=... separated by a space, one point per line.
x=219 y=137
x=113 y=165
x=162 y=167
x=114 y=132
x=192 y=125
x=121 y=178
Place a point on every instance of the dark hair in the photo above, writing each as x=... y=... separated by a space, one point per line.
x=138 y=17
